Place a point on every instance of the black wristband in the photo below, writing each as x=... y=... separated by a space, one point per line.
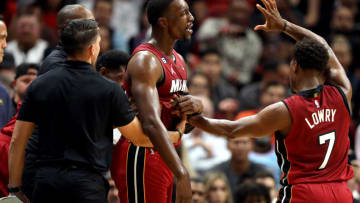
x=14 y=189
x=285 y=25
x=193 y=115
x=180 y=133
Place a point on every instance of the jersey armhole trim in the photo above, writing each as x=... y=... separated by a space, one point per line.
x=344 y=98
x=278 y=133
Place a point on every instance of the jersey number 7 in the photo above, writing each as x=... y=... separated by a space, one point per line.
x=322 y=140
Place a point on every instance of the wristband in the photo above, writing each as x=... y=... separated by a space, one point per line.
x=14 y=189
x=284 y=27
x=193 y=115
x=180 y=133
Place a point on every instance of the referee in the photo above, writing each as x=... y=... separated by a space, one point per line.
x=76 y=109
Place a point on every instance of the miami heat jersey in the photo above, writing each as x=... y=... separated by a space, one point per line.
x=174 y=82
x=316 y=148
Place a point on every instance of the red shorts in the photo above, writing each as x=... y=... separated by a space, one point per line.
x=332 y=192
x=140 y=174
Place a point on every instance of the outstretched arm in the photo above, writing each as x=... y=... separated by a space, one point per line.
x=22 y=131
x=133 y=132
x=274 y=22
x=272 y=118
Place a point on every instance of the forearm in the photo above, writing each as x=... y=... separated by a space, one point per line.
x=214 y=126
x=299 y=33
x=16 y=164
x=144 y=141
x=21 y=134
x=158 y=135
x=335 y=74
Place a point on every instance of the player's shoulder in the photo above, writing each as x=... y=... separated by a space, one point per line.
x=144 y=61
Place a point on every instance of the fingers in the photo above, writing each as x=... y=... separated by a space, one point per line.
x=267 y=4
x=260 y=27
x=273 y=4
x=262 y=10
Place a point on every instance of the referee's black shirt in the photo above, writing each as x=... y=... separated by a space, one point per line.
x=76 y=109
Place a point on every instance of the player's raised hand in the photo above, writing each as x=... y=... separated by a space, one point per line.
x=274 y=22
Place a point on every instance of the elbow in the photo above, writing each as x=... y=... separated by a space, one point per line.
x=150 y=125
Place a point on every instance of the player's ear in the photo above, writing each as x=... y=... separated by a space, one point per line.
x=163 y=22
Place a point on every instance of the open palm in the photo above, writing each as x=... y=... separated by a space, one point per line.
x=274 y=21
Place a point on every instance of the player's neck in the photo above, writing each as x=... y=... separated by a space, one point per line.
x=308 y=84
x=162 y=41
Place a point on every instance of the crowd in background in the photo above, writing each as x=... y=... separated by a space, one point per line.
x=235 y=70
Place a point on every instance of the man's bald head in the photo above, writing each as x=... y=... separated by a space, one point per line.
x=71 y=12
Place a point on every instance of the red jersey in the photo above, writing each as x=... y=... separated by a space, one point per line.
x=5 y=138
x=174 y=82
x=316 y=147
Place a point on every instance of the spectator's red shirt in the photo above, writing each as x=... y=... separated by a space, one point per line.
x=5 y=138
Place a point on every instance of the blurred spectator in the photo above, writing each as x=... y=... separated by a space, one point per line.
x=27 y=47
x=103 y=11
x=343 y=51
x=267 y=179
x=217 y=188
x=250 y=192
x=198 y=190
x=124 y=16
x=50 y=9
x=200 y=12
x=239 y=168
x=144 y=31
x=217 y=8
x=7 y=71
x=205 y=150
x=263 y=151
x=220 y=89
x=354 y=183
x=199 y=84
x=240 y=46
x=343 y=20
x=25 y=74
x=106 y=40
x=250 y=95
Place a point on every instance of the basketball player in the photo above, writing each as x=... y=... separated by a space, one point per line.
x=311 y=127
x=155 y=73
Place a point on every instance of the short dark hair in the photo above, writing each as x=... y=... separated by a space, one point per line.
x=197 y=179
x=264 y=174
x=112 y=60
x=1 y=17
x=79 y=34
x=311 y=54
x=208 y=52
x=248 y=189
x=155 y=9
x=272 y=84
x=23 y=69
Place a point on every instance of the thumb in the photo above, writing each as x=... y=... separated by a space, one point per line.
x=260 y=27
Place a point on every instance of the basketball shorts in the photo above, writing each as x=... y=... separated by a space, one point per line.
x=140 y=174
x=332 y=192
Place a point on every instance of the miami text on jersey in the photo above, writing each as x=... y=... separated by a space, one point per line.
x=178 y=85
